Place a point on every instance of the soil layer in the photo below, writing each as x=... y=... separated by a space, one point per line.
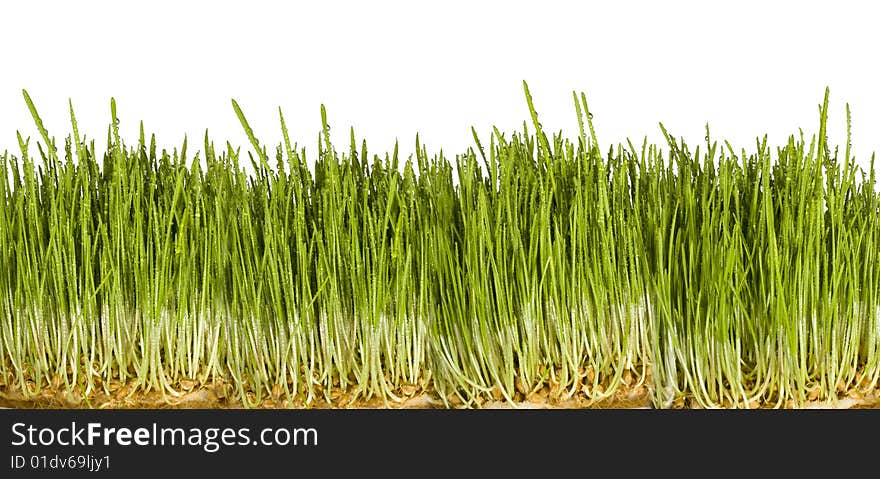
x=220 y=395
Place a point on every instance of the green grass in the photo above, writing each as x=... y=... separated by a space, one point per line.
x=736 y=279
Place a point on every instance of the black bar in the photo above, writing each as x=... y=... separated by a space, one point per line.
x=425 y=443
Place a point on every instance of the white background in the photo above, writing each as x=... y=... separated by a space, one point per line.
x=392 y=68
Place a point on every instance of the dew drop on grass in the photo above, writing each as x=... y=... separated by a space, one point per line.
x=590 y=115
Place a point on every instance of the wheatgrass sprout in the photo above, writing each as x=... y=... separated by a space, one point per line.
x=528 y=268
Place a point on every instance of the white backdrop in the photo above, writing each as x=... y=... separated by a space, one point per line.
x=392 y=68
